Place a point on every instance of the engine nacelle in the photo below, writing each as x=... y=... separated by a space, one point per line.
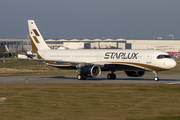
x=135 y=73
x=90 y=71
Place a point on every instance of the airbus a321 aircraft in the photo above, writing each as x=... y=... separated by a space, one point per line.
x=90 y=62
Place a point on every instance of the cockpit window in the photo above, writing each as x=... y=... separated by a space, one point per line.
x=163 y=56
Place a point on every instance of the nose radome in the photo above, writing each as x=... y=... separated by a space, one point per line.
x=172 y=64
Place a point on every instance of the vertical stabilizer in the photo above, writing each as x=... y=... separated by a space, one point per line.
x=37 y=40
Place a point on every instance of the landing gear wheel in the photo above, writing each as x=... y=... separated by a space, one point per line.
x=111 y=76
x=80 y=77
x=156 y=78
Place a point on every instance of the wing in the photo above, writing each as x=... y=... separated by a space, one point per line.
x=67 y=64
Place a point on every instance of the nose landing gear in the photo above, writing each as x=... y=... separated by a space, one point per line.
x=156 y=78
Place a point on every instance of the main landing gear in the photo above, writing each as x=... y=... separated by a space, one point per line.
x=111 y=76
x=156 y=78
x=80 y=77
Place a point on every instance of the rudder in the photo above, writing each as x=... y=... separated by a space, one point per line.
x=37 y=40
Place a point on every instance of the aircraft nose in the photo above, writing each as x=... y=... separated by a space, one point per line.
x=172 y=64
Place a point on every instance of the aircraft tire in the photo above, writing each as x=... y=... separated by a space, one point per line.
x=80 y=77
x=156 y=78
x=111 y=76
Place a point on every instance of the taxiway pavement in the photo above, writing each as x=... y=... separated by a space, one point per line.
x=121 y=79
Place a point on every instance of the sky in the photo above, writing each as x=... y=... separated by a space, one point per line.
x=91 y=19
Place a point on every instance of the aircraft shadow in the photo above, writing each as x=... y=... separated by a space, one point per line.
x=117 y=79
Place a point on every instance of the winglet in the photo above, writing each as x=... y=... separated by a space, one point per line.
x=10 y=54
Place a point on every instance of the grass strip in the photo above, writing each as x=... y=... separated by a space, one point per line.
x=89 y=101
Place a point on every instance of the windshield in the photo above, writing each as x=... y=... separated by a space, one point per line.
x=163 y=56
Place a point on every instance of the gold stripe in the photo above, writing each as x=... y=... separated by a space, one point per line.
x=34 y=48
x=143 y=65
x=39 y=57
x=35 y=38
x=36 y=33
x=67 y=64
x=49 y=62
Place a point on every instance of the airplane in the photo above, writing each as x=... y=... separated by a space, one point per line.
x=90 y=62
x=10 y=54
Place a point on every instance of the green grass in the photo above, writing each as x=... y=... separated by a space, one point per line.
x=5 y=55
x=84 y=101
x=29 y=67
x=89 y=101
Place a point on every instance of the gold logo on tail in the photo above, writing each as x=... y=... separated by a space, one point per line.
x=36 y=32
x=35 y=38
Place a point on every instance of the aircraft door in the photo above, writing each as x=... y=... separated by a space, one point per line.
x=149 y=55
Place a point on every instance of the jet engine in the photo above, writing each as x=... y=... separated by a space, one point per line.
x=135 y=73
x=90 y=71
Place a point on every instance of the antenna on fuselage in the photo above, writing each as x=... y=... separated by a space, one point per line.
x=146 y=47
